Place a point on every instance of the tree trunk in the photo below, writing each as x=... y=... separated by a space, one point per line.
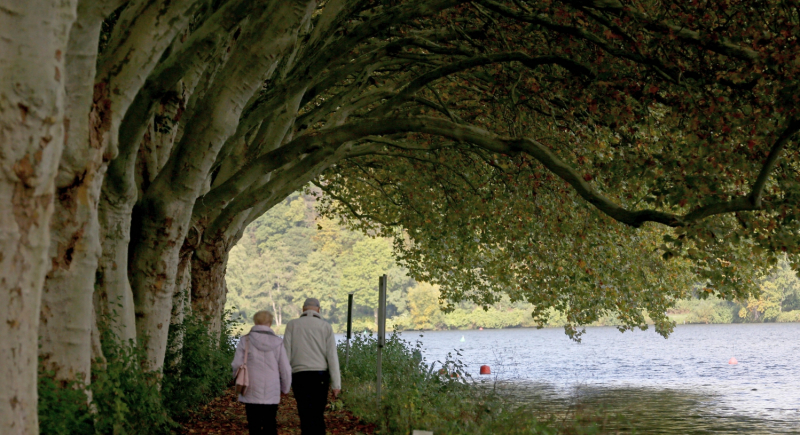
x=165 y=211
x=276 y=313
x=181 y=303
x=144 y=30
x=67 y=318
x=33 y=40
x=119 y=195
x=114 y=299
x=208 y=286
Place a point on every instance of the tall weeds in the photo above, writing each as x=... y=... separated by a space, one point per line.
x=439 y=397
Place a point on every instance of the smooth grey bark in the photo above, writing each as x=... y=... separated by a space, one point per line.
x=165 y=211
x=181 y=304
x=143 y=32
x=33 y=41
x=67 y=319
x=195 y=61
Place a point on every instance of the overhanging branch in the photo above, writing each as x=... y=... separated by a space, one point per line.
x=352 y=208
x=332 y=139
x=462 y=65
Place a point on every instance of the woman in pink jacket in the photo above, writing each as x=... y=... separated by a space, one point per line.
x=269 y=373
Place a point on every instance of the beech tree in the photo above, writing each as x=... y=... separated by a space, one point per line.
x=518 y=144
x=32 y=107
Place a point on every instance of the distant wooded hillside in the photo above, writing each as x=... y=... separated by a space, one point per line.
x=291 y=253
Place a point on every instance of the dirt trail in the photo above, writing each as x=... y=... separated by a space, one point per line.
x=225 y=415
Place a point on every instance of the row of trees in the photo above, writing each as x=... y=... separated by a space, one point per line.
x=509 y=149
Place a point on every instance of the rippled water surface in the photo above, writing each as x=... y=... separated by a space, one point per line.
x=682 y=384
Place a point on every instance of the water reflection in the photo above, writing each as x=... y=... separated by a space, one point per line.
x=674 y=386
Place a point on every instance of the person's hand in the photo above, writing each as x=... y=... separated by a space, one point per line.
x=336 y=393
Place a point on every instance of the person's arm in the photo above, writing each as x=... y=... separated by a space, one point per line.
x=287 y=341
x=238 y=357
x=333 y=363
x=285 y=371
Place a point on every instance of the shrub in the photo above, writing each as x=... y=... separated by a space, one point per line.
x=126 y=397
x=63 y=406
x=129 y=400
x=200 y=369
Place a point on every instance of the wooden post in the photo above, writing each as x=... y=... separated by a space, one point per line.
x=381 y=327
x=349 y=328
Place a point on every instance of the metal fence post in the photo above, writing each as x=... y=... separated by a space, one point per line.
x=349 y=328
x=381 y=328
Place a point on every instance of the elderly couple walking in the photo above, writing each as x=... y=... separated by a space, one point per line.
x=305 y=359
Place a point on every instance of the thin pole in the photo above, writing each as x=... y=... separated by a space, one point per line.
x=381 y=328
x=349 y=328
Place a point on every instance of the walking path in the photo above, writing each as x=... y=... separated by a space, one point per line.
x=225 y=415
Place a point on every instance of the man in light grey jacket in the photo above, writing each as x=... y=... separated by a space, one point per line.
x=311 y=348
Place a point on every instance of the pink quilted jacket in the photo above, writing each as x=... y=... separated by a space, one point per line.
x=267 y=366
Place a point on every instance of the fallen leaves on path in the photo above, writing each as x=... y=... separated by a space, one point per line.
x=225 y=415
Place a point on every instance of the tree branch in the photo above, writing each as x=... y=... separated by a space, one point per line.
x=772 y=159
x=352 y=208
x=708 y=42
x=481 y=138
x=531 y=62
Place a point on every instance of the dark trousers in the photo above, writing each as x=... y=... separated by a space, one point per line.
x=311 y=392
x=261 y=419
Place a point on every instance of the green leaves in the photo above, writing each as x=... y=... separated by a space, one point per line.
x=518 y=234
x=665 y=122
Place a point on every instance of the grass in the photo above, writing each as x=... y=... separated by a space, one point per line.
x=441 y=398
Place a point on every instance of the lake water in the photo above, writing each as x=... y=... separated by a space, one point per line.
x=680 y=385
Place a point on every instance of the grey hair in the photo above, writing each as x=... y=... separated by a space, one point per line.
x=311 y=302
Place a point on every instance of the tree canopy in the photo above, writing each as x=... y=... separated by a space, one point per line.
x=557 y=152
x=527 y=148
x=331 y=251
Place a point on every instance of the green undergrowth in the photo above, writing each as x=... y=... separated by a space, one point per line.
x=438 y=397
x=129 y=400
x=199 y=370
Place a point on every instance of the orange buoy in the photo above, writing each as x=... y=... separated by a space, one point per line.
x=485 y=370
x=733 y=361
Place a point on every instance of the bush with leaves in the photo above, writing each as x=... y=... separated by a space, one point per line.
x=63 y=406
x=125 y=399
x=199 y=369
x=126 y=396
x=129 y=400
